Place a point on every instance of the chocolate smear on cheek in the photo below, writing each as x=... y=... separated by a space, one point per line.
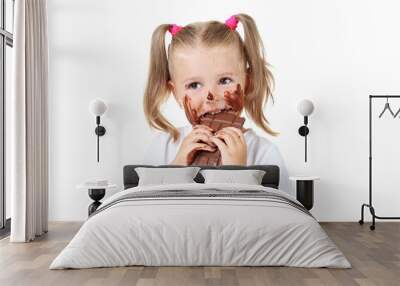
x=191 y=114
x=235 y=99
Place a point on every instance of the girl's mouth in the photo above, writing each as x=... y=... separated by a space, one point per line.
x=216 y=111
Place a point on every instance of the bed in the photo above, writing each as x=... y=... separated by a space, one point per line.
x=198 y=224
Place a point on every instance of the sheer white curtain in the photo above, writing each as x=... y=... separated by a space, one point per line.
x=28 y=157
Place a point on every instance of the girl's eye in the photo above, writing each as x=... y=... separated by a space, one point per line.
x=225 y=80
x=193 y=85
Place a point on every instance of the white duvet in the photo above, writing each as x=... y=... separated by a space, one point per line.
x=200 y=231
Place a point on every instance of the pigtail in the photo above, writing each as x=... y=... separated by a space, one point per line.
x=261 y=81
x=157 y=90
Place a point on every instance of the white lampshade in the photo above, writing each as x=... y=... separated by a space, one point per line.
x=305 y=107
x=97 y=107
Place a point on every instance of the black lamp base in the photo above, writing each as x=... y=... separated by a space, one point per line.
x=305 y=193
x=96 y=195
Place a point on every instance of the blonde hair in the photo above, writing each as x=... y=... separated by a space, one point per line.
x=211 y=33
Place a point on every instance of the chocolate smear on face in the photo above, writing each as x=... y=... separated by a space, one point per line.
x=191 y=113
x=234 y=102
x=235 y=99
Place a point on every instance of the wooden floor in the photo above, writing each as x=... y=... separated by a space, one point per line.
x=374 y=255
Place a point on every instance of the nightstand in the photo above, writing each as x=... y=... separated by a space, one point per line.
x=96 y=193
x=305 y=190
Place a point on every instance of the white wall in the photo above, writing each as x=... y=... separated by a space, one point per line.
x=335 y=53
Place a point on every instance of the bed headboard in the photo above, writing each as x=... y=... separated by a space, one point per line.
x=270 y=179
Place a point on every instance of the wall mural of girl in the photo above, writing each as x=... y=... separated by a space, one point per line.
x=214 y=75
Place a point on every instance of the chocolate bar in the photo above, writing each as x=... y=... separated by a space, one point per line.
x=216 y=122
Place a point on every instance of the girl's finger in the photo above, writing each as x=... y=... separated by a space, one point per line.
x=201 y=137
x=234 y=137
x=228 y=138
x=192 y=135
x=203 y=130
x=220 y=144
x=202 y=146
x=237 y=133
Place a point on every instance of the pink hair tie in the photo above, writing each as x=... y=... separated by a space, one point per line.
x=232 y=22
x=173 y=29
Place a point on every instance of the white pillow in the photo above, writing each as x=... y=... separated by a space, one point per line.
x=248 y=177
x=164 y=176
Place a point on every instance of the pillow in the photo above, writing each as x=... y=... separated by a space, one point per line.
x=248 y=177
x=163 y=176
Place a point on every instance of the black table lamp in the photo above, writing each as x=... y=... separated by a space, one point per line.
x=305 y=108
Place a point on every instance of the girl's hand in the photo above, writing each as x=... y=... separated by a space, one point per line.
x=230 y=142
x=198 y=139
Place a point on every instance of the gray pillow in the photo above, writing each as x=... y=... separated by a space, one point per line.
x=248 y=177
x=163 y=176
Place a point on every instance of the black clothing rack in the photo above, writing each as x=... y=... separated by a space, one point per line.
x=369 y=205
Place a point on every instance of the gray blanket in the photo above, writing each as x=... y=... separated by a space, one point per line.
x=198 y=224
x=206 y=193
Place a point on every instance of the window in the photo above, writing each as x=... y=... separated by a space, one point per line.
x=6 y=44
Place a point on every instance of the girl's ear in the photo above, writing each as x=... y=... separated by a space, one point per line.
x=172 y=88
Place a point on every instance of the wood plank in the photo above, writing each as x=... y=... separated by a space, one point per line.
x=374 y=255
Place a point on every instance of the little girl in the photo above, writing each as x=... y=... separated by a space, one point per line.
x=204 y=62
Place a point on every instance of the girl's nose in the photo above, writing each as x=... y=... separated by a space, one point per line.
x=210 y=96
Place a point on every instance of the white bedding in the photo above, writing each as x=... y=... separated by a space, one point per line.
x=182 y=231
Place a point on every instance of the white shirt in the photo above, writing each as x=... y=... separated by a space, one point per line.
x=260 y=151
